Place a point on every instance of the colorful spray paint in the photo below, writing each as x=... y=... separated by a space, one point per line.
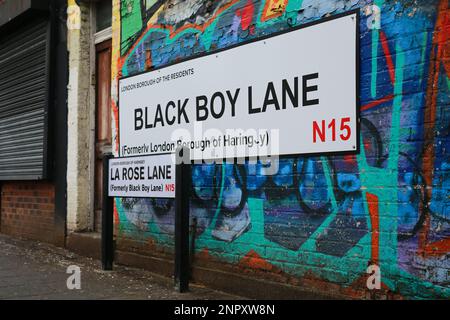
x=325 y=218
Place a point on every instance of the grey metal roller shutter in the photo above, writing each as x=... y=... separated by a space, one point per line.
x=23 y=101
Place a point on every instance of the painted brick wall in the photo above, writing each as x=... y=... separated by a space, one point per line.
x=81 y=106
x=320 y=221
x=28 y=211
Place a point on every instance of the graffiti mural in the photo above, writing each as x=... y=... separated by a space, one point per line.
x=326 y=216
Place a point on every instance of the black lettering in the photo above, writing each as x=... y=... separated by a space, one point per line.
x=170 y=121
x=286 y=89
x=307 y=89
x=222 y=109
x=182 y=111
x=136 y=173
x=233 y=100
x=138 y=122
x=202 y=107
x=147 y=124
x=250 y=102
x=272 y=99
x=159 y=116
x=162 y=173
x=114 y=176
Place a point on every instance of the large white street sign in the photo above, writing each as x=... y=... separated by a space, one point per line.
x=293 y=93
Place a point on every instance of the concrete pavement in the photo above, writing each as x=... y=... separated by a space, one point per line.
x=33 y=270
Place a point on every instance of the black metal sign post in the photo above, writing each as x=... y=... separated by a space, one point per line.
x=107 y=219
x=182 y=191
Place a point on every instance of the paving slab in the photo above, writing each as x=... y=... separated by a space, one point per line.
x=35 y=270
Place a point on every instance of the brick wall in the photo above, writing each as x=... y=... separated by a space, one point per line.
x=320 y=221
x=28 y=211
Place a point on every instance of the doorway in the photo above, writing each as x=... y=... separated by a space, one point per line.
x=102 y=122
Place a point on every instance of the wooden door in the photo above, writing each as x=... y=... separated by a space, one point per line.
x=102 y=123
